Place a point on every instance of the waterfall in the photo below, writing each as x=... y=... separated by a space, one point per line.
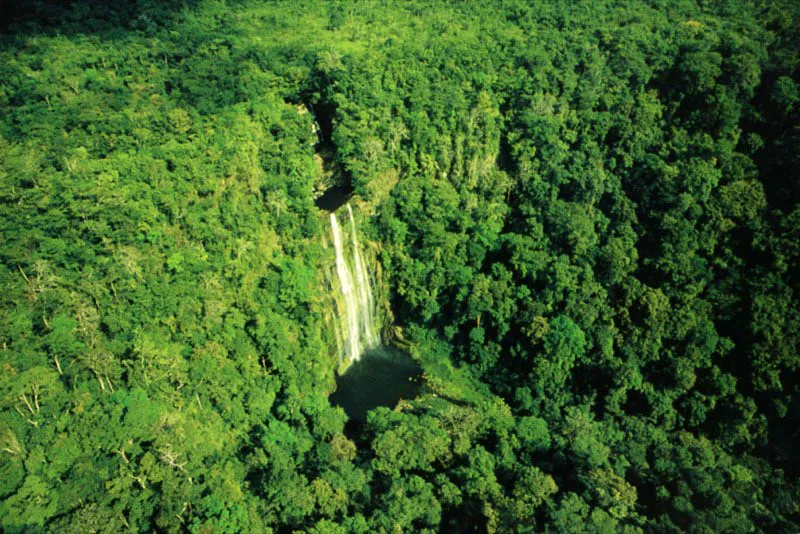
x=346 y=287
x=365 y=301
x=355 y=316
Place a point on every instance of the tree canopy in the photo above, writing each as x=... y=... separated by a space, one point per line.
x=583 y=217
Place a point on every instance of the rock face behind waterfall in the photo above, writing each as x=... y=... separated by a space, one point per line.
x=355 y=316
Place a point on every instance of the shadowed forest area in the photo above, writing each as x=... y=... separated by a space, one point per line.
x=580 y=218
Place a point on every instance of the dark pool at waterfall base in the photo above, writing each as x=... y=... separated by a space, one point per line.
x=381 y=377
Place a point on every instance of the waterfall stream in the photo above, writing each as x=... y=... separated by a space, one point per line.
x=355 y=323
x=365 y=302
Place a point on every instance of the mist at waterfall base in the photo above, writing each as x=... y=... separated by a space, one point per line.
x=381 y=377
x=377 y=374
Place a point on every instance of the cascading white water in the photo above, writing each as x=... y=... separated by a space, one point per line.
x=365 y=301
x=348 y=294
x=356 y=326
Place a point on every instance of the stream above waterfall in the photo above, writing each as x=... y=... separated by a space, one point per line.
x=334 y=198
x=382 y=376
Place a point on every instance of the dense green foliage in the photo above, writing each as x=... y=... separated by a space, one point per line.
x=588 y=223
